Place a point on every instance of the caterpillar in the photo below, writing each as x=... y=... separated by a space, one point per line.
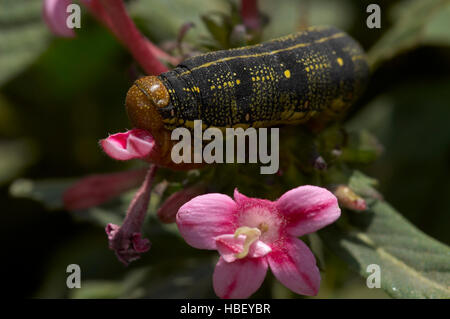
x=316 y=73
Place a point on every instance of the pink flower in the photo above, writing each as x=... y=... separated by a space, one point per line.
x=252 y=234
x=132 y=144
x=140 y=144
x=55 y=15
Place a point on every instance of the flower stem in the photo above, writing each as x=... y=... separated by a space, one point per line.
x=126 y=240
x=138 y=206
x=113 y=14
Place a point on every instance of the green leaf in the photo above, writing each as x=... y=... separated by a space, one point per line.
x=362 y=147
x=98 y=289
x=16 y=156
x=363 y=185
x=217 y=28
x=288 y=16
x=413 y=265
x=413 y=18
x=24 y=35
x=436 y=32
x=48 y=192
x=411 y=121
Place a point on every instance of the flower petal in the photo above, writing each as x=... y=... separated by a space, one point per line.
x=55 y=15
x=239 y=279
x=205 y=217
x=259 y=249
x=308 y=209
x=130 y=246
x=240 y=199
x=228 y=246
x=136 y=143
x=294 y=265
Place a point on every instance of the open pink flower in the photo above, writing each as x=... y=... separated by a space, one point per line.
x=252 y=234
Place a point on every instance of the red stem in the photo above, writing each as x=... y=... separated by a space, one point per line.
x=138 y=207
x=126 y=240
x=113 y=14
x=250 y=14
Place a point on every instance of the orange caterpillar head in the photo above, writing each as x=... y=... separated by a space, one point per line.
x=143 y=100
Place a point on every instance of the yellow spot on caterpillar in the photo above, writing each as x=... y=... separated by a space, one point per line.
x=287 y=74
x=340 y=61
x=213 y=87
x=253 y=79
x=238 y=81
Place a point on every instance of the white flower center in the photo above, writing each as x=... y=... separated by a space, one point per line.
x=268 y=222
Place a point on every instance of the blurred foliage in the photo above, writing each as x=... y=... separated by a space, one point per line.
x=414 y=22
x=59 y=97
x=23 y=35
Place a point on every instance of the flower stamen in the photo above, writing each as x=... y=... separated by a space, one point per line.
x=251 y=235
x=263 y=227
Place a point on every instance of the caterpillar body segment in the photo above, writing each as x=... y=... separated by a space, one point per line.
x=318 y=72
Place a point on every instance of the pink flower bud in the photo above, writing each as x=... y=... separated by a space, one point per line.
x=96 y=189
x=135 y=143
x=349 y=199
x=55 y=15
